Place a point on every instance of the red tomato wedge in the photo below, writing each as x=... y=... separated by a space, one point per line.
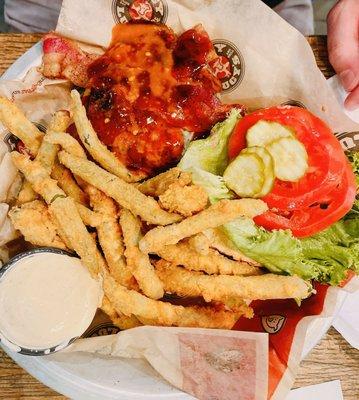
x=325 y=155
x=319 y=215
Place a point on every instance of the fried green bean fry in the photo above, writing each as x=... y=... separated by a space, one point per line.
x=109 y=235
x=215 y=215
x=39 y=178
x=219 y=241
x=46 y=154
x=89 y=217
x=138 y=262
x=16 y=122
x=160 y=183
x=66 y=141
x=68 y=184
x=48 y=151
x=223 y=287
x=211 y=263
x=130 y=302
x=125 y=194
x=120 y=320
x=35 y=223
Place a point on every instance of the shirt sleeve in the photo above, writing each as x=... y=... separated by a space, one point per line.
x=32 y=15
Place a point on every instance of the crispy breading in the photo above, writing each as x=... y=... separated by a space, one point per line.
x=224 y=287
x=200 y=243
x=89 y=217
x=127 y=195
x=160 y=183
x=130 y=302
x=212 y=263
x=46 y=154
x=26 y=193
x=36 y=224
x=94 y=146
x=39 y=178
x=60 y=121
x=215 y=215
x=16 y=122
x=66 y=142
x=120 y=320
x=68 y=217
x=14 y=189
x=110 y=238
x=63 y=176
x=184 y=200
x=219 y=240
x=67 y=183
x=138 y=262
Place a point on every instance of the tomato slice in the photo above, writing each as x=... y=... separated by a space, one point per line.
x=319 y=215
x=325 y=155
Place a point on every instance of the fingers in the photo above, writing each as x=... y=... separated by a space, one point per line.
x=352 y=101
x=343 y=42
x=343 y=45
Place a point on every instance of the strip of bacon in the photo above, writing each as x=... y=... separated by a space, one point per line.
x=63 y=58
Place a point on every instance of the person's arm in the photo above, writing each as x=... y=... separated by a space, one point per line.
x=343 y=47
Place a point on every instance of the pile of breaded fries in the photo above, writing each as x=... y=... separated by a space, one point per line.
x=145 y=240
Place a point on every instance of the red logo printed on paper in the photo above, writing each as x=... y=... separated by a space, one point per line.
x=229 y=66
x=222 y=67
x=273 y=323
x=139 y=10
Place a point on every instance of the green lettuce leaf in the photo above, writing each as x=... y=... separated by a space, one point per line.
x=278 y=251
x=325 y=257
x=353 y=157
x=334 y=251
x=213 y=184
x=210 y=154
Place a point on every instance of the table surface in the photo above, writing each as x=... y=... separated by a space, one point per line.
x=333 y=358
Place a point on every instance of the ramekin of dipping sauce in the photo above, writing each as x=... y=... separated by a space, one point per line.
x=47 y=300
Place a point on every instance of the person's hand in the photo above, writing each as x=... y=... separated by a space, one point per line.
x=343 y=47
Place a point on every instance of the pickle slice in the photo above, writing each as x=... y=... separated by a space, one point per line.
x=290 y=159
x=245 y=175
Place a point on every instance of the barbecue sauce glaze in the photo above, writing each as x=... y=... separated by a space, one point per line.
x=148 y=88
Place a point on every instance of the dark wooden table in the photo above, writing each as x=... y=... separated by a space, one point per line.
x=333 y=358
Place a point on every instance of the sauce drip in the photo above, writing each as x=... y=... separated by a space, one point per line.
x=148 y=88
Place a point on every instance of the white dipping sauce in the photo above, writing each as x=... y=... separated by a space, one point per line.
x=47 y=299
